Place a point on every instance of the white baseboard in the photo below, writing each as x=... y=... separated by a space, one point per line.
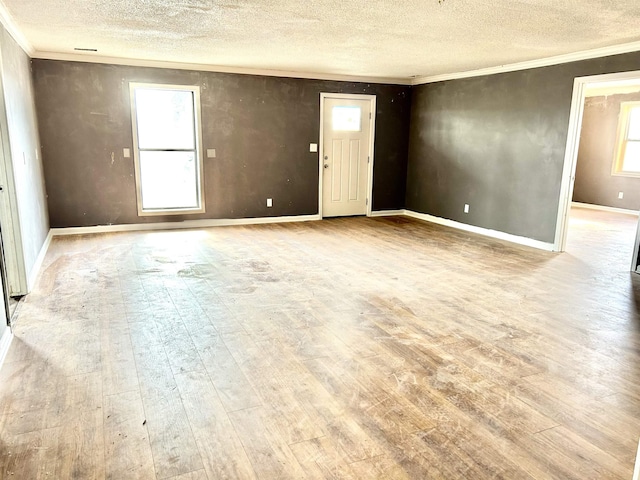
x=35 y=269
x=386 y=213
x=205 y=223
x=5 y=343
x=296 y=218
x=604 y=208
x=636 y=470
x=529 y=242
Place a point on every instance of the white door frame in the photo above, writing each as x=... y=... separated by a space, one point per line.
x=634 y=262
x=372 y=126
x=580 y=85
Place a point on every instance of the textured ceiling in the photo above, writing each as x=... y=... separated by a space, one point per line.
x=373 y=38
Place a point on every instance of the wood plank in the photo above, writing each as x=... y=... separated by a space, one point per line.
x=480 y=440
x=127 y=447
x=221 y=450
x=352 y=347
x=29 y=455
x=174 y=449
x=325 y=410
x=199 y=475
x=182 y=353
x=269 y=454
x=119 y=372
x=385 y=467
x=390 y=413
x=584 y=416
x=79 y=447
x=575 y=449
x=320 y=459
x=235 y=391
x=283 y=412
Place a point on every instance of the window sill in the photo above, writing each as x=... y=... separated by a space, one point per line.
x=626 y=174
x=170 y=211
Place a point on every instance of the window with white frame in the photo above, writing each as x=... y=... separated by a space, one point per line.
x=627 y=158
x=166 y=136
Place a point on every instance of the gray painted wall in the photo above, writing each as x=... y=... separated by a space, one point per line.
x=25 y=150
x=261 y=128
x=497 y=143
x=594 y=182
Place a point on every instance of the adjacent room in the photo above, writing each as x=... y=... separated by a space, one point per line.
x=606 y=190
x=269 y=240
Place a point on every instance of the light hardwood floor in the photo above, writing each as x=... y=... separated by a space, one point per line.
x=348 y=348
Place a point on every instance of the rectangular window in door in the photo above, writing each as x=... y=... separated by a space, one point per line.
x=166 y=135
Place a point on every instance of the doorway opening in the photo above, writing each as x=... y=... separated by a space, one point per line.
x=594 y=141
x=347 y=128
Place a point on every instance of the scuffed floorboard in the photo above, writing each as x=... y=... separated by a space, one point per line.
x=348 y=348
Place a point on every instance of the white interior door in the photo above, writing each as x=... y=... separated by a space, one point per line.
x=346 y=152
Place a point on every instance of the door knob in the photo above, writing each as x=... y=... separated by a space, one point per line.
x=326 y=165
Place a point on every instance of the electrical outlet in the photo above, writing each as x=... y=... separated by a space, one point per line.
x=126 y=153
x=620 y=195
x=466 y=208
x=269 y=202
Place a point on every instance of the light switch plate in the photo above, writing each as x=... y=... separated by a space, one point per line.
x=269 y=202
x=211 y=153
x=126 y=153
x=313 y=147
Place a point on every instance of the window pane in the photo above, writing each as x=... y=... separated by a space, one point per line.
x=631 y=162
x=634 y=124
x=165 y=119
x=168 y=180
x=346 y=119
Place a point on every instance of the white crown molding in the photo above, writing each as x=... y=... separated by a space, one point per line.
x=7 y=20
x=543 y=62
x=9 y=23
x=132 y=62
x=511 y=67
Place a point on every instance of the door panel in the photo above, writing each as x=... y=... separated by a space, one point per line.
x=346 y=144
x=336 y=171
x=355 y=172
